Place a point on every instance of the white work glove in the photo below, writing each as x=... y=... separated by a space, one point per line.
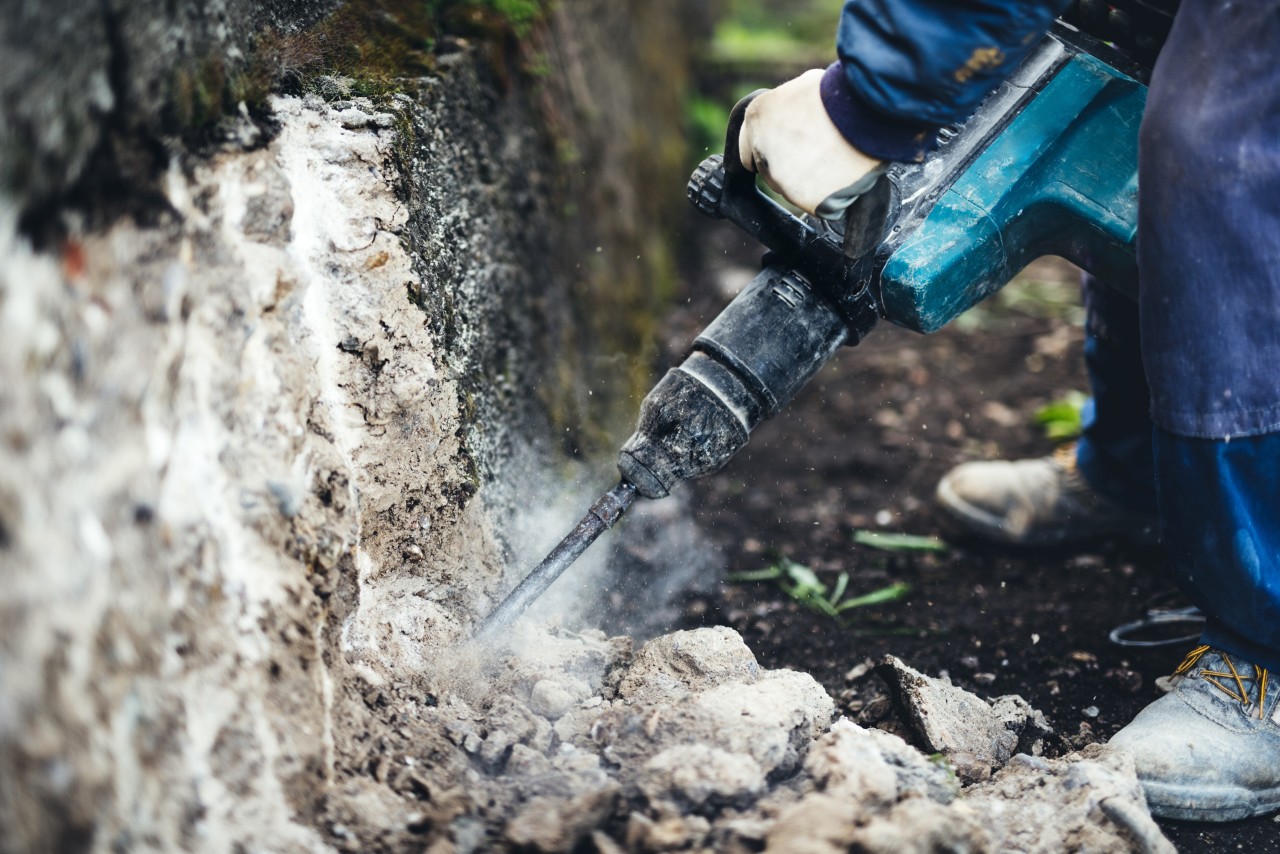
x=790 y=140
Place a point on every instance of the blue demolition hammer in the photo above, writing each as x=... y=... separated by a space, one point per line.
x=1046 y=166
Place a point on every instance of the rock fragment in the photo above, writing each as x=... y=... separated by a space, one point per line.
x=693 y=776
x=510 y=715
x=976 y=736
x=1087 y=801
x=917 y=826
x=705 y=687
x=875 y=793
x=674 y=665
x=875 y=767
x=669 y=833
x=551 y=699
x=772 y=720
x=558 y=824
x=821 y=823
x=526 y=762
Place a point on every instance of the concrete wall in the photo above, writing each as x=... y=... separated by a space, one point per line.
x=93 y=86
x=268 y=449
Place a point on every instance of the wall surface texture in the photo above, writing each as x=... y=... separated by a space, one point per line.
x=276 y=412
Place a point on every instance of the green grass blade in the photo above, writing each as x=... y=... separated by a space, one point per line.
x=813 y=600
x=899 y=542
x=892 y=593
x=1063 y=418
x=769 y=573
x=803 y=576
x=842 y=584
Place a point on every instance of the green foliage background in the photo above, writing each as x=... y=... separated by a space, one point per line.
x=755 y=44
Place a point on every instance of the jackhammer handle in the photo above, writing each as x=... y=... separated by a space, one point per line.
x=732 y=155
x=723 y=188
x=742 y=202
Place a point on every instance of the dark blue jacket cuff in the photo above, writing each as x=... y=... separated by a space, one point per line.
x=869 y=130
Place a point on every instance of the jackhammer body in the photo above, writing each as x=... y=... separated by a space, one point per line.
x=747 y=365
x=1046 y=166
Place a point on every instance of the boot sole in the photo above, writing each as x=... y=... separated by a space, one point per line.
x=1217 y=804
x=990 y=527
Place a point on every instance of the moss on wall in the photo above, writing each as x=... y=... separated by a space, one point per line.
x=117 y=88
x=592 y=189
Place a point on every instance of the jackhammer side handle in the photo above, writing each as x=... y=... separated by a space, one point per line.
x=743 y=203
x=725 y=189
x=864 y=220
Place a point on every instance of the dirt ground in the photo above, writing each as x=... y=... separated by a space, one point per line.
x=861 y=449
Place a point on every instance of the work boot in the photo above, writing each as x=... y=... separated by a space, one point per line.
x=1039 y=502
x=1210 y=749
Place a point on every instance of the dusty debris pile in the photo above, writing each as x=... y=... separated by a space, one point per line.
x=562 y=741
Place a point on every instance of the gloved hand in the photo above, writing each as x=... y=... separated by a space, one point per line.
x=788 y=138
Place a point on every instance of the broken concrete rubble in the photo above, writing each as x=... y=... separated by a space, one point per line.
x=705 y=687
x=669 y=667
x=1086 y=801
x=688 y=744
x=876 y=767
x=976 y=736
x=695 y=776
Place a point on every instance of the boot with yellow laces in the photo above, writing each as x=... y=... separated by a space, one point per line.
x=1210 y=749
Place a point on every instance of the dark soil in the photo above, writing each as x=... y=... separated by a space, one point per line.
x=863 y=448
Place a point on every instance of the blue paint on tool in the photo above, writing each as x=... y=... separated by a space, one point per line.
x=1060 y=179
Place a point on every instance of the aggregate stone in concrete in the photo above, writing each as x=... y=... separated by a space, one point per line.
x=975 y=735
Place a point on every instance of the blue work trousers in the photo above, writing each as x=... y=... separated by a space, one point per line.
x=1186 y=410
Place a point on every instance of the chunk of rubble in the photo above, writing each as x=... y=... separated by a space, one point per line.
x=558 y=824
x=826 y=824
x=773 y=720
x=976 y=736
x=552 y=698
x=873 y=787
x=704 y=687
x=667 y=833
x=675 y=665
x=695 y=776
x=1087 y=801
x=876 y=768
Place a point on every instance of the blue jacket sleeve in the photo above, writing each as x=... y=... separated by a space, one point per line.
x=910 y=67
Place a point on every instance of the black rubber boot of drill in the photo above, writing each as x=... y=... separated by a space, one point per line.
x=746 y=366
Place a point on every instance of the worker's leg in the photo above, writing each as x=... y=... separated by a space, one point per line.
x=1106 y=487
x=1209 y=254
x=1225 y=542
x=1114 y=452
